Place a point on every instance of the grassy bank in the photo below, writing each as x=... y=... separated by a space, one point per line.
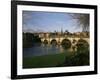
x=57 y=60
x=45 y=61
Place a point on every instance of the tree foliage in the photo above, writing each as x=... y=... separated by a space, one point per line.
x=82 y=21
x=30 y=40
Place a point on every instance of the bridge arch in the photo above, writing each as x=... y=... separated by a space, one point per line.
x=53 y=42
x=66 y=43
x=45 y=42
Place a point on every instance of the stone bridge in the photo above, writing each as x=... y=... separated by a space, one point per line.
x=59 y=40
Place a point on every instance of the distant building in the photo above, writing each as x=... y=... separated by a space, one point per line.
x=61 y=34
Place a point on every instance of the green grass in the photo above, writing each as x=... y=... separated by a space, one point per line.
x=57 y=60
x=45 y=61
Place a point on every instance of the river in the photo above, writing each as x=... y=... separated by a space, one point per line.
x=42 y=50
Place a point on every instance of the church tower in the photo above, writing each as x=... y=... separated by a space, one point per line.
x=61 y=31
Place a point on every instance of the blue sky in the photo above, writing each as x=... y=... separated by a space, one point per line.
x=36 y=21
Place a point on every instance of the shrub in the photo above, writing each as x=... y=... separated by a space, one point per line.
x=80 y=59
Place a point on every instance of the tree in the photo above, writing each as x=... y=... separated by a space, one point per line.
x=66 y=31
x=82 y=21
x=29 y=40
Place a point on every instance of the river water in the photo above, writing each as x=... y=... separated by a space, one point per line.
x=42 y=50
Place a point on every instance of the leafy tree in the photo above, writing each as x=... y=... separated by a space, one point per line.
x=30 y=40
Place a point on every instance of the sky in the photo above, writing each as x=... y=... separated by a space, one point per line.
x=40 y=21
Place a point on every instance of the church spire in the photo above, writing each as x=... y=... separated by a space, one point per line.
x=61 y=30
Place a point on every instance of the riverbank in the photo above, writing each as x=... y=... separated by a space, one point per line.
x=56 y=60
x=44 y=61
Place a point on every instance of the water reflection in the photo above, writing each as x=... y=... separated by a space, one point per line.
x=42 y=50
